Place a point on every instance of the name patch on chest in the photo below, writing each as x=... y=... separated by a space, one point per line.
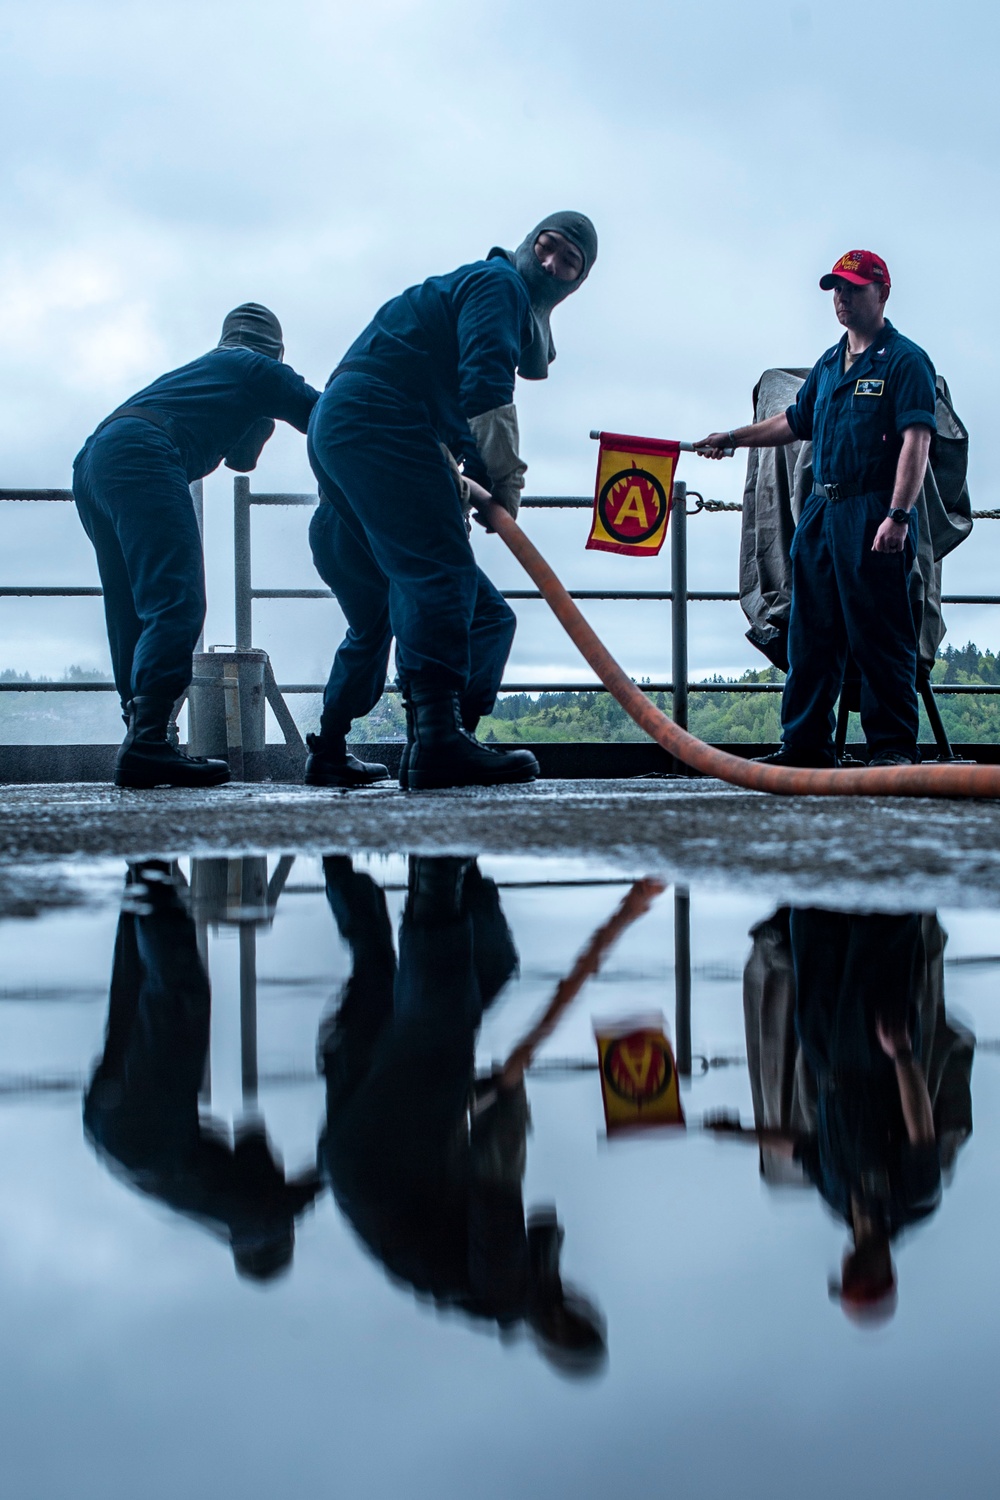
x=869 y=388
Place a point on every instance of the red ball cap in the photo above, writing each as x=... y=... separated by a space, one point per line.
x=861 y=267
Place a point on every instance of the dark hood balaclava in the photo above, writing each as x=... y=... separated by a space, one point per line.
x=547 y=291
x=251 y=326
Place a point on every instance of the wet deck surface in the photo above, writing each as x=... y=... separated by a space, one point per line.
x=271 y=1224
x=913 y=850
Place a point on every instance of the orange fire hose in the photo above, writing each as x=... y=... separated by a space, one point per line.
x=634 y=905
x=931 y=780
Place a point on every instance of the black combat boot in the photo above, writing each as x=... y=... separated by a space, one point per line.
x=818 y=760
x=329 y=764
x=147 y=757
x=443 y=754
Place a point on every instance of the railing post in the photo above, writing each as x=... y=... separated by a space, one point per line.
x=248 y=1012
x=682 y=978
x=679 y=605
x=201 y=937
x=198 y=501
x=242 y=573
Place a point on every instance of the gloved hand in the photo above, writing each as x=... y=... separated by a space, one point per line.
x=496 y=437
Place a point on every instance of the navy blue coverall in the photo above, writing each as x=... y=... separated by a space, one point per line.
x=845 y=597
x=130 y=483
x=390 y=538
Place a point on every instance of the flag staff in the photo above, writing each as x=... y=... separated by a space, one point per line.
x=684 y=447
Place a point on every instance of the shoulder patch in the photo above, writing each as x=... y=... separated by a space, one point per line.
x=869 y=388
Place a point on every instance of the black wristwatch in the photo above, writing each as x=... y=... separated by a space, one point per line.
x=900 y=516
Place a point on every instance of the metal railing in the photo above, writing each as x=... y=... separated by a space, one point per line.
x=244 y=895
x=678 y=596
x=70 y=591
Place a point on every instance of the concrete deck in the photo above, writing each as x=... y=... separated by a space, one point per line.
x=852 y=851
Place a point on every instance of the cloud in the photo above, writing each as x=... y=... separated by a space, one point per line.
x=160 y=164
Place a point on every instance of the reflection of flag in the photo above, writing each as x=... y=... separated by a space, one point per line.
x=638 y=1076
x=635 y=483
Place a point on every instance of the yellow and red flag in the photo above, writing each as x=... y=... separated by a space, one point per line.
x=635 y=485
x=638 y=1076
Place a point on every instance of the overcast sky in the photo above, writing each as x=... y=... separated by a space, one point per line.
x=163 y=162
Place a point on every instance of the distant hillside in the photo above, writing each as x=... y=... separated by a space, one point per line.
x=59 y=718
x=720 y=718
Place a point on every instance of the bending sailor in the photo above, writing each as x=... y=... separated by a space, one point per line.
x=130 y=483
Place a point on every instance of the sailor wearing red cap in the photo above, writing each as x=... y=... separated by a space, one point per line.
x=868 y=406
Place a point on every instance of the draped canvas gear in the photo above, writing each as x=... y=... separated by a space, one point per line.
x=779 y=480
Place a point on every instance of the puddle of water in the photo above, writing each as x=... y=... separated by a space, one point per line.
x=262 y=1233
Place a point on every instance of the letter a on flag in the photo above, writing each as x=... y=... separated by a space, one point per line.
x=638 y=1075
x=635 y=485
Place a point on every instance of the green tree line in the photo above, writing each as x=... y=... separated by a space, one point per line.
x=724 y=718
x=721 y=718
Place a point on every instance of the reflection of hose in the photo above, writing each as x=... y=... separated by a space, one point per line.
x=948 y=780
x=634 y=905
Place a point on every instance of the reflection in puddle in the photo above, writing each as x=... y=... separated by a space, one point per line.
x=862 y=1085
x=371 y=1086
x=141 y=1110
x=425 y=1160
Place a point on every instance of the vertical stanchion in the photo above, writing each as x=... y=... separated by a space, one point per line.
x=248 y=1011
x=679 y=605
x=241 y=538
x=201 y=931
x=198 y=501
x=682 y=978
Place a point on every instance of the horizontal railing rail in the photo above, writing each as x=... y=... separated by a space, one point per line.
x=67 y=591
x=246 y=594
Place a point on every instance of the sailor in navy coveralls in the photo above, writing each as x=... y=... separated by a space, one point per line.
x=868 y=407
x=130 y=484
x=428 y=382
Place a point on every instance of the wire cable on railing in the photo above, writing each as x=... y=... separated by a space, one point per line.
x=711 y=507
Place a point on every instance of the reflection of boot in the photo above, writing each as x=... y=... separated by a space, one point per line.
x=150 y=887
x=147 y=758
x=435 y=888
x=545 y=1238
x=359 y=910
x=329 y=764
x=569 y=1328
x=444 y=754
